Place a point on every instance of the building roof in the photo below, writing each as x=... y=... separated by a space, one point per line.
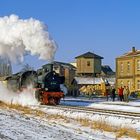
x=133 y=52
x=107 y=70
x=88 y=80
x=111 y=80
x=89 y=55
x=68 y=65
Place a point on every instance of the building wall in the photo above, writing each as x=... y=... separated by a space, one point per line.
x=125 y=82
x=125 y=67
x=67 y=76
x=128 y=72
x=97 y=65
x=137 y=65
x=65 y=71
x=88 y=65
x=85 y=65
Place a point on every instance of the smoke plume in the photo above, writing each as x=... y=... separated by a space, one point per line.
x=18 y=37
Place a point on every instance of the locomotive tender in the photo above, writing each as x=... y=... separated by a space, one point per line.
x=45 y=81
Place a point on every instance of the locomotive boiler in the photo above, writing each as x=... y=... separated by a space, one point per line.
x=46 y=83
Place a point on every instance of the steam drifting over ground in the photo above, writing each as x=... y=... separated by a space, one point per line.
x=20 y=36
x=26 y=97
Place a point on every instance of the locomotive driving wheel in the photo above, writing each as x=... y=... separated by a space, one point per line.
x=57 y=101
x=52 y=101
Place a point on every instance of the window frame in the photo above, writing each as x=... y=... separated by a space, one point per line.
x=138 y=65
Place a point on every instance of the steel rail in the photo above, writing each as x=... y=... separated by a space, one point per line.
x=108 y=112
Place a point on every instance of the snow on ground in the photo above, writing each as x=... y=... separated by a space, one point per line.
x=16 y=126
x=19 y=127
x=132 y=106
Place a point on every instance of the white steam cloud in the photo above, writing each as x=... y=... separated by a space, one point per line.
x=24 y=98
x=18 y=37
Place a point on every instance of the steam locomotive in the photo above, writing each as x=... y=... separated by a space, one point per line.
x=46 y=82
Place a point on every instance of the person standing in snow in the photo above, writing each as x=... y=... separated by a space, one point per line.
x=120 y=93
x=113 y=94
x=126 y=93
x=107 y=93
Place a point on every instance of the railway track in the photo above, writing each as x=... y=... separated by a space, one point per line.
x=104 y=102
x=94 y=111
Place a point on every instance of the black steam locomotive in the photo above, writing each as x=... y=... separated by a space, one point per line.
x=45 y=81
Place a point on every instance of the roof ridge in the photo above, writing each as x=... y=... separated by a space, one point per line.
x=89 y=55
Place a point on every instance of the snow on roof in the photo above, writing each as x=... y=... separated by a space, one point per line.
x=88 y=80
x=111 y=80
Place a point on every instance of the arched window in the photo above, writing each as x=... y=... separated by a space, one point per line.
x=121 y=67
x=128 y=67
x=138 y=84
x=138 y=65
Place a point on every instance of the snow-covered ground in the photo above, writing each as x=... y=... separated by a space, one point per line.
x=18 y=126
x=131 y=106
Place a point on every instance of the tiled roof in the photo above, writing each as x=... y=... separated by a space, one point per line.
x=89 y=55
x=107 y=70
x=133 y=52
x=62 y=64
x=137 y=52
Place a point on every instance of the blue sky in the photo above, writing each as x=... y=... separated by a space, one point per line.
x=108 y=28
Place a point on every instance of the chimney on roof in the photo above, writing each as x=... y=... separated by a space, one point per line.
x=133 y=49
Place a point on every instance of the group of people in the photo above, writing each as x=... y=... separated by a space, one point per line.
x=123 y=93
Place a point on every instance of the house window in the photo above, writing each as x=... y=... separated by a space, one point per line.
x=138 y=84
x=128 y=66
x=138 y=64
x=88 y=63
x=121 y=67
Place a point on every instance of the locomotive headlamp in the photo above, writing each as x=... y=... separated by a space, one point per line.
x=46 y=89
